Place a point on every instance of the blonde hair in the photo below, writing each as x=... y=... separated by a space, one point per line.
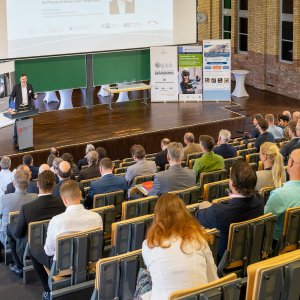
x=272 y=152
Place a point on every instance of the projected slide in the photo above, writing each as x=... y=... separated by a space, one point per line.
x=48 y=27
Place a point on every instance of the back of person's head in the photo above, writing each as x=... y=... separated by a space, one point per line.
x=50 y=159
x=89 y=147
x=294 y=165
x=172 y=220
x=92 y=158
x=68 y=157
x=64 y=170
x=137 y=151
x=189 y=137
x=283 y=118
x=296 y=115
x=106 y=164
x=5 y=163
x=243 y=178
x=224 y=135
x=27 y=159
x=56 y=163
x=165 y=142
x=271 y=151
x=21 y=180
x=269 y=118
x=292 y=127
x=175 y=151
x=44 y=167
x=207 y=142
x=257 y=116
x=288 y=114
x=263 y=124
x=101 y=152
x=46 y=181
x=70 y=192
x=54 y=151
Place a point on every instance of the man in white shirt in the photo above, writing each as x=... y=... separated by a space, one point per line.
x=6 y=175
x=75 y=218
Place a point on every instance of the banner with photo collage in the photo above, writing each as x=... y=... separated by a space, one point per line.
x=190 y=73
x=164 y=74
x=216 y=70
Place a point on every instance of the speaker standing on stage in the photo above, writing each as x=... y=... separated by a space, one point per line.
x=22 y=93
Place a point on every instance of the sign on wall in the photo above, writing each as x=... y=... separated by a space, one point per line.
x=216 y=70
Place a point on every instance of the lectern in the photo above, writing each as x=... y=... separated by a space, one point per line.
x=24 y=123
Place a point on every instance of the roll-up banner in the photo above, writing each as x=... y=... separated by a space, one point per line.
x=216 y=70
x=164 y=82
x=190 y=73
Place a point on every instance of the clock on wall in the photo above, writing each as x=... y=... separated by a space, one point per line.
x=201 y=17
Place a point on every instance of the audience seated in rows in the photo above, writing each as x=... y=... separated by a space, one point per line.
x=272 y=128
x=191 y=146
x=161 y=157
x=254 y=132
x=84 y=162
x=244 y=204
x=287 y=148
x=141 y=167
x=286 y=196
x=176 y=251
x=74 y=219
x=43 y=208
x=176 y=177
x=14 y=201
x=70 y=159
x=106 y=184
x=264 y=136
x=6 y=175
x=64 y=173
x=273 y=173
x=223 y=148
x=28 y=160
x=92 y=171
x=209 y=161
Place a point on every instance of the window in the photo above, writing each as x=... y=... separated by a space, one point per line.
x=286 y=31
x=242 y=26
x=226 y=19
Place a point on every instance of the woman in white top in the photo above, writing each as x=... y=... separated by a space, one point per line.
x=176 y=250
x=274 y=172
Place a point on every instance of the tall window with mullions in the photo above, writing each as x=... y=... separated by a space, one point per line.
x=226 y=21
x=242 y=26
x=286 y=31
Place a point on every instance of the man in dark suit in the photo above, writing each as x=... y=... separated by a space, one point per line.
x=92 y=171
x=264 y=136
x=28 y=160
x=43 y=208
x=161 y=157
x=64 y=173
x=224 y=149
x=22 y=93
x=254 y=132
x=83 y=162
x=106 y=184
x=177 y=177
x=115 y=7
x=244 y=204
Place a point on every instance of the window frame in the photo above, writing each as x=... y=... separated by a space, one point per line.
x=242 y=14
x=225 y=12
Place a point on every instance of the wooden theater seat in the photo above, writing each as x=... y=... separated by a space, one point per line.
x=215 y=190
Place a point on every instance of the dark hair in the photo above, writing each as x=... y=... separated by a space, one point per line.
x=50 y=159
x=106 y=163
x=257 y=117
x=292 y=126
x=46 y=180
x=138 y=151
x=27 y=159
x=284 y=118
x=243 y=178
x=68 y=157
x=101 y=152
x=263 y=124
x=23 y=74
x=207 y=142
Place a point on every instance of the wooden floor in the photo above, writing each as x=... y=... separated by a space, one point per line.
x=98 y=125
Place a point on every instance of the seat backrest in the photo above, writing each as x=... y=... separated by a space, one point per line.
x=265 y=192
x=275 y=278
x=121 y=170
x=244 y=152
x=116 y=163
x=207 y=177
x=215 y=190
x=229 y=162
x=126 y=164
x=116 y=276
x=139 y=207
x=37 y=233
x=150 y=155
x=216 y=241
x=87 y=182
x=248 y=242
x=108 y=215
x=143 y=178
x=252 y=157
x=13 y=217
x=240 y=147
x=291 y=230
x=128 y=159
x=190 y=195
x=115 y=198
x=193 y=156
x=75 y=253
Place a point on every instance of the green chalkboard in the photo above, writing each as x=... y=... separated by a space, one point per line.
x=53 y=73
x=114 y=67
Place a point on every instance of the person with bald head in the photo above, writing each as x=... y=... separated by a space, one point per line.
x=287 y=196
x=44 y=167
x=64 y=173
x=32 y=187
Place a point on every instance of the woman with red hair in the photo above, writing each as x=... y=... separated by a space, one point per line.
x=176 y=250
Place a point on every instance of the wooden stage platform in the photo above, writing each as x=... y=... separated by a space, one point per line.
x=132 y=122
